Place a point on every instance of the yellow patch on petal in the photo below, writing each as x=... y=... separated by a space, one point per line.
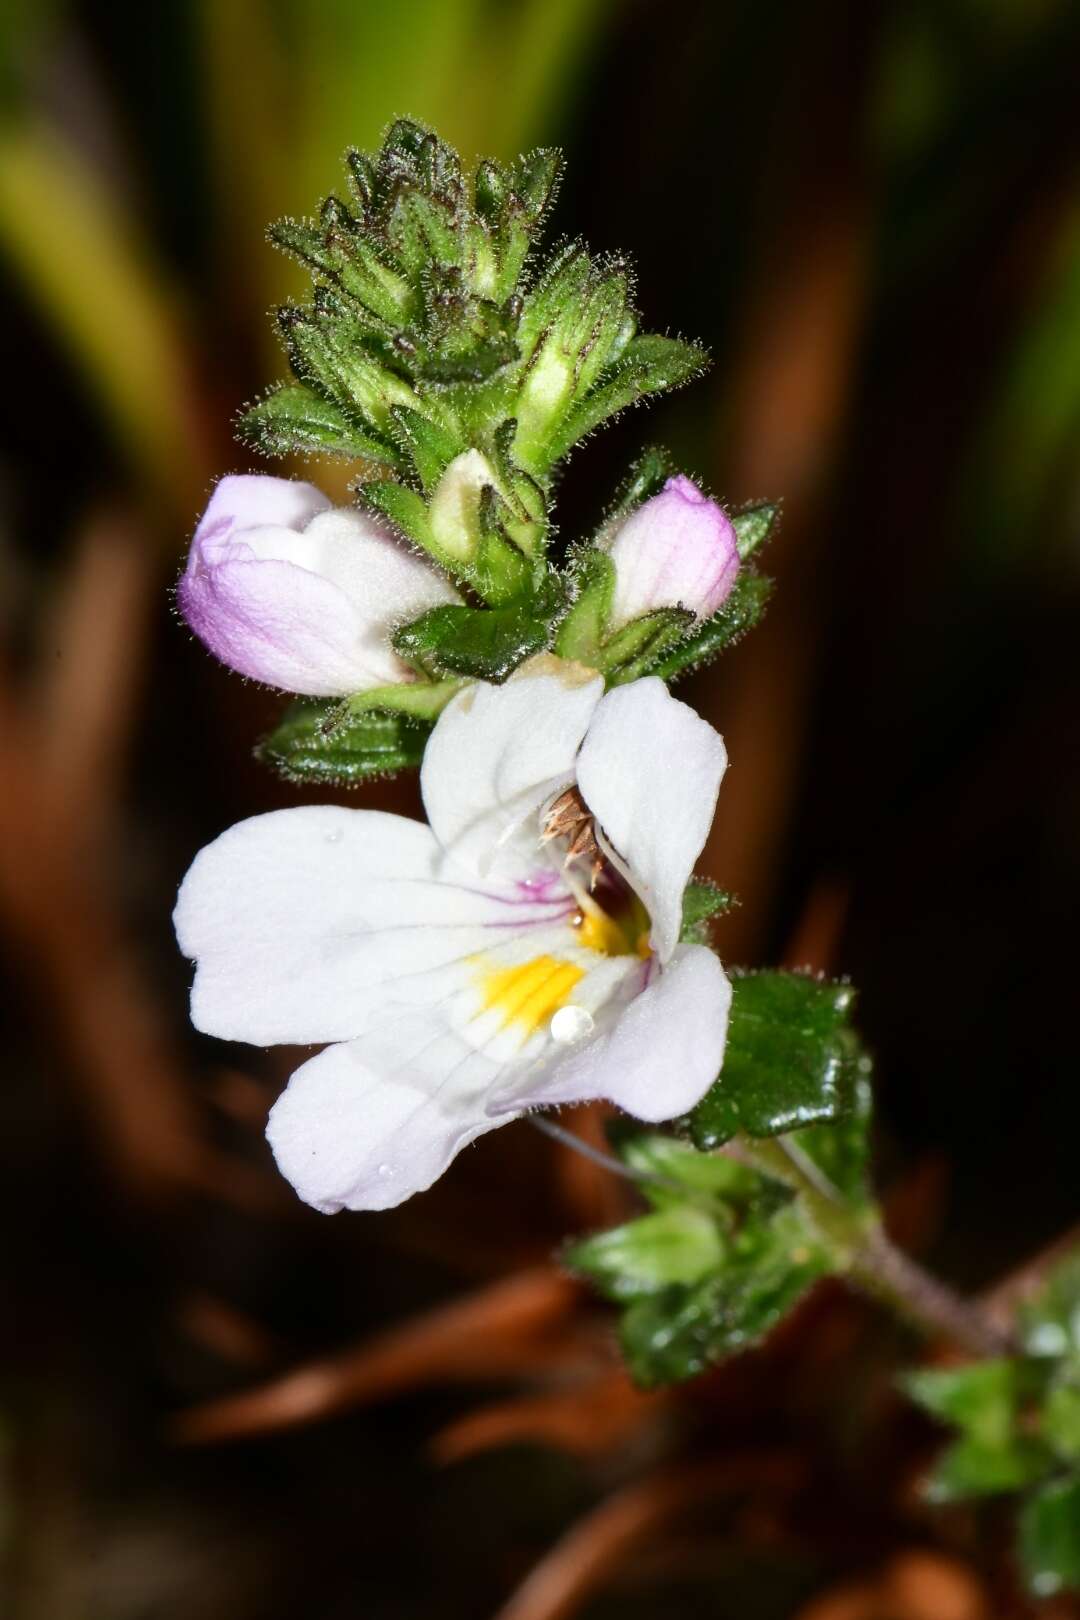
x=529 y=993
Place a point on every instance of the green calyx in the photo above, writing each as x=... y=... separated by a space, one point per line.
x=669 y=641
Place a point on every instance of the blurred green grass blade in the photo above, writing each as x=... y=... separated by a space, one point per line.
x=99 y=290
x=362 y=66
x=250 y=107
x=538 y=68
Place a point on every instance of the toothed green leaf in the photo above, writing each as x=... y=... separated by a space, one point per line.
x=754 y=525
x=638 y=647
x=767 y=1267
x=648 y=365
x=702 y=900
x=295 y=419
x=788 y=1063
x=582 y=631
x=323 y=742
x=675 y=1245
x=744 y=607
x=486 y=643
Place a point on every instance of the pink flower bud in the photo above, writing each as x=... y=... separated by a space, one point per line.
x=677 y=550
x=288 y=590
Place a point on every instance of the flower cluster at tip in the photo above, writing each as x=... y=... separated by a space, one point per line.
x=524 y=948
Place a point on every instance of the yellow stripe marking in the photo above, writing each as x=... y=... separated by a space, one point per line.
x=529 y=993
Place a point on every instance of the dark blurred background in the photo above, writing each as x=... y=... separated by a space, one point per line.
x=870 y=213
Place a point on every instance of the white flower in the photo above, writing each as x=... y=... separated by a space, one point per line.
x=466 y=969
x=287 y=589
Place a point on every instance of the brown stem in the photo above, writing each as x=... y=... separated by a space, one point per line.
x=870 y=1261
x=881 y=1269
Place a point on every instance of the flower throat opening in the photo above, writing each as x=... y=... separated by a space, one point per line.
x=610 y=918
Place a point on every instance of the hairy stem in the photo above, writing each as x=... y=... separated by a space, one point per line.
x=869 y=1260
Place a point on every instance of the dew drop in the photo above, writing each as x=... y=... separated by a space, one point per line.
x=571 y=1024
x=386 y=1171
x=335 y=837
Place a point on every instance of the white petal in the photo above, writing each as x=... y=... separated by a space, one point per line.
x=301 y=919
x=282 y=624
x=242 y=500
x=366 y=1124
x=649 y=770
x=656 y=1058
x=496 y=754
x=289 y=592
x=385 y=583
x=348 y=1138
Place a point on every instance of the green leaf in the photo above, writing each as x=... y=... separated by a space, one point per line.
x=742 y=610
x=335 y=248
x=1061 y=1417
x=294 y=418
x=982 y=1398
x=648 y=365
x=702 y=900
x=970 y=1468
x=638 y=647
x=404 y=508
x=325 y=742
x=787 y=1063
x=676 y=1245
x=326 y=351
x=486 y=643
x=1050 y=1324
x=430 y=447
x=647 y=477
x=592 y=576
x=987 y=1402
x=678 y=1173
x=767 y=1267
x=754 y=525
x=761 y=1250
x=841 y=1147
x=1050 y=1538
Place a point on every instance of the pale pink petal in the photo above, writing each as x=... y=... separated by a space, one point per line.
x=289 y=592
x=677 y=550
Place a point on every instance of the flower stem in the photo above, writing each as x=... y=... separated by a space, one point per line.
x=868 y=1258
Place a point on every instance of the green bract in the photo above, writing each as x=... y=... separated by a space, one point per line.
x=1019 y=1430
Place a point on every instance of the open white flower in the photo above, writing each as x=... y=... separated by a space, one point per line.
x=521 y=951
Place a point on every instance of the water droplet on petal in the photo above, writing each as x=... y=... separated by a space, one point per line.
x=335 y=837
x=571 y=1024
x=386 y=1171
